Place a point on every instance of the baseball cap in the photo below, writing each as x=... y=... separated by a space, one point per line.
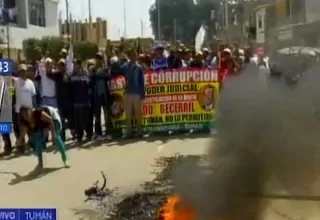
x=23 y=67
x=159 y=46
x=63 y=50
x=227 y=50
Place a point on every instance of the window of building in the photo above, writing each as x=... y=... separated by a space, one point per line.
x=288 y=8
x=9 y=3
x=37 y=13
x=8 y=11
x=260 y=22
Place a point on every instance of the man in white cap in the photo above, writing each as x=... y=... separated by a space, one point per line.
x=210 y=61
x=63 y=53
x=25 y=92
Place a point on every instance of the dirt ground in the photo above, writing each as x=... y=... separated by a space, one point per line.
x=126 y=165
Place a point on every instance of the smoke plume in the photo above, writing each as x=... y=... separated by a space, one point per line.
x=267 y=142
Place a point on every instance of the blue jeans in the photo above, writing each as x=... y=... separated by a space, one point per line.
x=49 y=101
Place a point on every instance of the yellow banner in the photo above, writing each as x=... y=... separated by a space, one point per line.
x=177 y=99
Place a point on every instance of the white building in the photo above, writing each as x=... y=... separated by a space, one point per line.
x=34 y=19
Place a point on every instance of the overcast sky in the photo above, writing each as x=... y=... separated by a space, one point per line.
x=113 y=12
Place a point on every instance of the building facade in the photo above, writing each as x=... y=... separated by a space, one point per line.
x=298 y=22
x=27 y=19
x=87 y=31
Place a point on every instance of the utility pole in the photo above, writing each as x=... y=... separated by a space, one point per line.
x=159 y=19
x=142 y=28
x=8 y=39
x=68 y=21
x=90 y=13
x=226 y=14
x=175 y=30
x=124 y=19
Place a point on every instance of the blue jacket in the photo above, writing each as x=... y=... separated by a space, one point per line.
x=134 y=79
x=160 y=64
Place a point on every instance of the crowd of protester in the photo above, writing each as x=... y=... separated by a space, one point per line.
x=74 y=93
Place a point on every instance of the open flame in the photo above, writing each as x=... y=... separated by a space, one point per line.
x=175 y=209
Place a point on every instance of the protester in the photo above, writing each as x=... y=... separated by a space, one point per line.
x=227 y=65
x=63 y=53
x=37 y=122
x=160 y=61
x=210 y=59
x=186 y=59
x=198 y=61
x=115 y=56
x=143 y=60
x=25 y=95
x=134 y=95
x=115 y=63
x=63 y=96
x=80 y=99
x=173 y=60
x=81 y=93
x=101 y=98
x=48 y=88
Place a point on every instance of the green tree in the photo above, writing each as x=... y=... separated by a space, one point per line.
x=51 y=46
x=85 y=50
x=31 y=49
x=34 y=49
x=186 y=15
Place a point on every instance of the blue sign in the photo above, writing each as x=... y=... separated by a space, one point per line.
x=5 y=128
x=28 y=214
x=6 y=67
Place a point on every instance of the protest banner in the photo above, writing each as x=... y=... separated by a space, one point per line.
x=175 y=100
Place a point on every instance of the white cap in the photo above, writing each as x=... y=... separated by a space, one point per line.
x=227 y=50
x=205 y=49
x=23 y=67
x=48 y=60
x=114 y=59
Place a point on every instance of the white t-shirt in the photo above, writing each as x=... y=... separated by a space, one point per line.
x=54 y=113
x=48 y=88
x=25 y=90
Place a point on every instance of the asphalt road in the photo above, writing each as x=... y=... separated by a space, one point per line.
x=126 y=165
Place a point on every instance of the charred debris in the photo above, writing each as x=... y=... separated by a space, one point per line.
x=143 y=205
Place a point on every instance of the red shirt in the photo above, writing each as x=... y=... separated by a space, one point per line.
x=226 y=69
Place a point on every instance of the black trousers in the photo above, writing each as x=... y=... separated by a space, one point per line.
x=99 y=106
x=82 y=117
x=16 y=124
x=7 y=143
x=67 y=121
